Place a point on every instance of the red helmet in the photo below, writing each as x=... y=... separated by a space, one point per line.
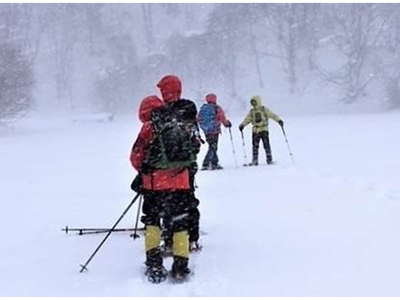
x=211 y=98
x=170 y=87
x=146 y=107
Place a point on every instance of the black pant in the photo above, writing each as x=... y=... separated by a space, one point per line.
x=194 y=214
x=264 y=136
x=211 y=156
x=178 y=210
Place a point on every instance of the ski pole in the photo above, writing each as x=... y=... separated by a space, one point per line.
x=287 y=143
x=108 y=230
x=83 y=267
x=134 y=234
x=244 y=147
x=83 y=230
x=233 y=148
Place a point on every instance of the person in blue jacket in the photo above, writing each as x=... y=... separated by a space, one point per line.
x=210 y=118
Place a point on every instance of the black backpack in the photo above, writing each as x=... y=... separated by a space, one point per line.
x=173 y=145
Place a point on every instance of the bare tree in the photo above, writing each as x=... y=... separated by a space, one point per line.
x=356 y=30
x=387 y=56
x=16 y=81
x=147 y=13
x=16 y=71
x=285 y=20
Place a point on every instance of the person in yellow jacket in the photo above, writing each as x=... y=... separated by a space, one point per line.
x=258 y=117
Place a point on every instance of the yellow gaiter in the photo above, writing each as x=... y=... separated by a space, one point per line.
x=180 y=244
x=152 y=237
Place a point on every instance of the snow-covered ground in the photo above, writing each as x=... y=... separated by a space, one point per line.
x=326 y=226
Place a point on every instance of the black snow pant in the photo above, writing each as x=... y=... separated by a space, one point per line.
x=194 y=220
x=194 y=213
x=211 y=156
x=193 y=223
x=264 y=136
x=173 y=207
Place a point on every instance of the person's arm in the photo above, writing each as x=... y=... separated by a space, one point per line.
x=222 y=118
x=139 y=148
x=270 y=115
x=246 y=121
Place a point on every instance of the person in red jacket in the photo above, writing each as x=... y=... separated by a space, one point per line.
x=157 y=179
x=210 y=118
x=163 y=154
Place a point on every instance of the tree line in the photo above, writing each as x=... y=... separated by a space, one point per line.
x=103 y=56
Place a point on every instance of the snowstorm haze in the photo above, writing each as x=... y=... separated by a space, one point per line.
x=300 y=58
x=312 y=210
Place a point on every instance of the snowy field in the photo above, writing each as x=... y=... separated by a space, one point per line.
x=326 y=226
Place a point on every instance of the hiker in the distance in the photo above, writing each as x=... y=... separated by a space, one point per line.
x=210 y=118
x=258 y=117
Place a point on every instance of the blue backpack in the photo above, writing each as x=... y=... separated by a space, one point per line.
x=208 y=118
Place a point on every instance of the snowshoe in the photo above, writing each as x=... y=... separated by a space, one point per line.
x=155 y=270
x=217 y=167
x=205 y=168
x=180 y=270
x=156 y=274
x=252 y=164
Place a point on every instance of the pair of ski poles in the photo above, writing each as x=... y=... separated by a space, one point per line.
x=113 y=229
x=244 y=145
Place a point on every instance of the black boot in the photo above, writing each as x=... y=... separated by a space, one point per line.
x=254 y=163
x=206 y=167
x=216 y=167
x=155 y=270
x=269 y=159
x=180 y=270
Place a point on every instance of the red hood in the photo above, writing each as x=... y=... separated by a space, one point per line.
x=211 y=98
x=170 y=87
x=146 y=107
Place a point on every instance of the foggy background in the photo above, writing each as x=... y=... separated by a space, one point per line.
x=322 y=224
x=300 y=58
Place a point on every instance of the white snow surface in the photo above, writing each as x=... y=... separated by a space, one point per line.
x=325 y=226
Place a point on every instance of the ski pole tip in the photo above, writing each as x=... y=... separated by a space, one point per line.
x=83 y=268
x=134 y=236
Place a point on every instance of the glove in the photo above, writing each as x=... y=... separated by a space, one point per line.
x=137 y=183
x=280 y=123
x=241 y=127
x=228 y=124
